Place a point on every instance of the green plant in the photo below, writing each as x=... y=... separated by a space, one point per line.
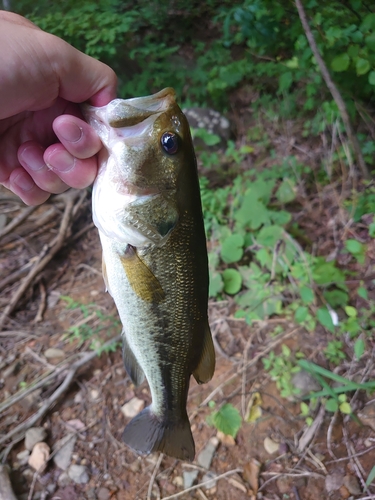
x=281 y=368
x=227 y=419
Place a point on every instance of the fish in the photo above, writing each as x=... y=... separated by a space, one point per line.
x=146 y=205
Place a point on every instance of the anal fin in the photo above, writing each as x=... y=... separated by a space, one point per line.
x=131 y=364
x=206 y=366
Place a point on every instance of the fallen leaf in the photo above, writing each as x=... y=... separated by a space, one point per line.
x=39 y=456
x=270 y=446
x=251 y=474
x=225 y=439
x=254 y=410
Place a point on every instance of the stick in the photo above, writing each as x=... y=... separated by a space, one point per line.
x=333 y=89
x=21 y=428
x=152 y=480
x=17 y=221
x=197 y=486
x=6 y=491
x=45 y=256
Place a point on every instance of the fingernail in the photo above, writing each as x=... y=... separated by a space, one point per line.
x=24 y=182
x=32 y=157
x=61 y=161
x=70 y=132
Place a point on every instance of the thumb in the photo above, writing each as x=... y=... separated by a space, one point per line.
x=83 y=78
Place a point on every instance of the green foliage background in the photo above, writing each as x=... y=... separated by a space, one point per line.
x=205 y=49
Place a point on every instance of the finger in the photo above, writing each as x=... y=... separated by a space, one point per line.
x=82 y=77
x=30 y=156
x=23 y=186
x=75 y=172
x=77 y=136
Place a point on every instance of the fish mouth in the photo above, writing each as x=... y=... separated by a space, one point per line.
x=121 y=113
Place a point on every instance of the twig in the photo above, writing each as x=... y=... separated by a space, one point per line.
x=31 y=492
x=329 y=434
x=6 y=491
x=310 y=431
x=197 y=486
x=42 y=305
x=333 y=89
x=21 y=428
x=355 y=462
x=42 y=361
x=45 y=256
x=359 y=454
x=17 y=221
x=154 y=474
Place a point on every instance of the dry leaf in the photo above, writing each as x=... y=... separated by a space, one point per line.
x=251 y=474
x=254 y=410
x=225 y=439
x=39 y=456
x=270 y=446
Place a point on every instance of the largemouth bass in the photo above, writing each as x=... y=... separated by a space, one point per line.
x=147 y=207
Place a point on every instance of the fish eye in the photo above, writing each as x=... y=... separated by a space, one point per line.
x=169 y=142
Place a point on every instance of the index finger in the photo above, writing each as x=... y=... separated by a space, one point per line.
x=79 y=138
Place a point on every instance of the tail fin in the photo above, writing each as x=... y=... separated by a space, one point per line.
x=146 y=433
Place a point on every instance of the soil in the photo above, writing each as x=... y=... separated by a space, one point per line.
x=66 y=307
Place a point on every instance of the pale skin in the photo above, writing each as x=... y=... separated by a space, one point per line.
x=45 y=145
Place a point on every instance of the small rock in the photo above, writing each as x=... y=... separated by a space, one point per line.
x=78 y=398
x=211 y=478
x=34 y=435
x=344 y=492
x=178 y=481
x=31 y=399
x=39 y=456
x=75 y=424
x=91 y=495
x=225 y=439
x=78 y=474
x=65 y=447
x=132 y=407
x=334 y=482
x=189 y=477
x=270 y=446
x=103 y=494
x=94 y=394
x=305 y=383
x=23 y=457
x=205 y=456
x=51 y=488
x=64 y=480
x=54 y=353
x=352 y=484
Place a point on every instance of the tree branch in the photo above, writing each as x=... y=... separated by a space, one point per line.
x=334 y=91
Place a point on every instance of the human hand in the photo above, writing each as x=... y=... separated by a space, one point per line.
x=42 y=81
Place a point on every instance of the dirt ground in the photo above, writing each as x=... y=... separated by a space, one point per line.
x=52 y=296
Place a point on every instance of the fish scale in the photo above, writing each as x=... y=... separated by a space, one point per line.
x=146 y=205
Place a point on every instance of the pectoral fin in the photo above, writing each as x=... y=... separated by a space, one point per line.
x=142 y=280
x=131 y=364
x=206 y=366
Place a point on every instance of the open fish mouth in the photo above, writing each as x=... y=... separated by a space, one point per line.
x=121 y=113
